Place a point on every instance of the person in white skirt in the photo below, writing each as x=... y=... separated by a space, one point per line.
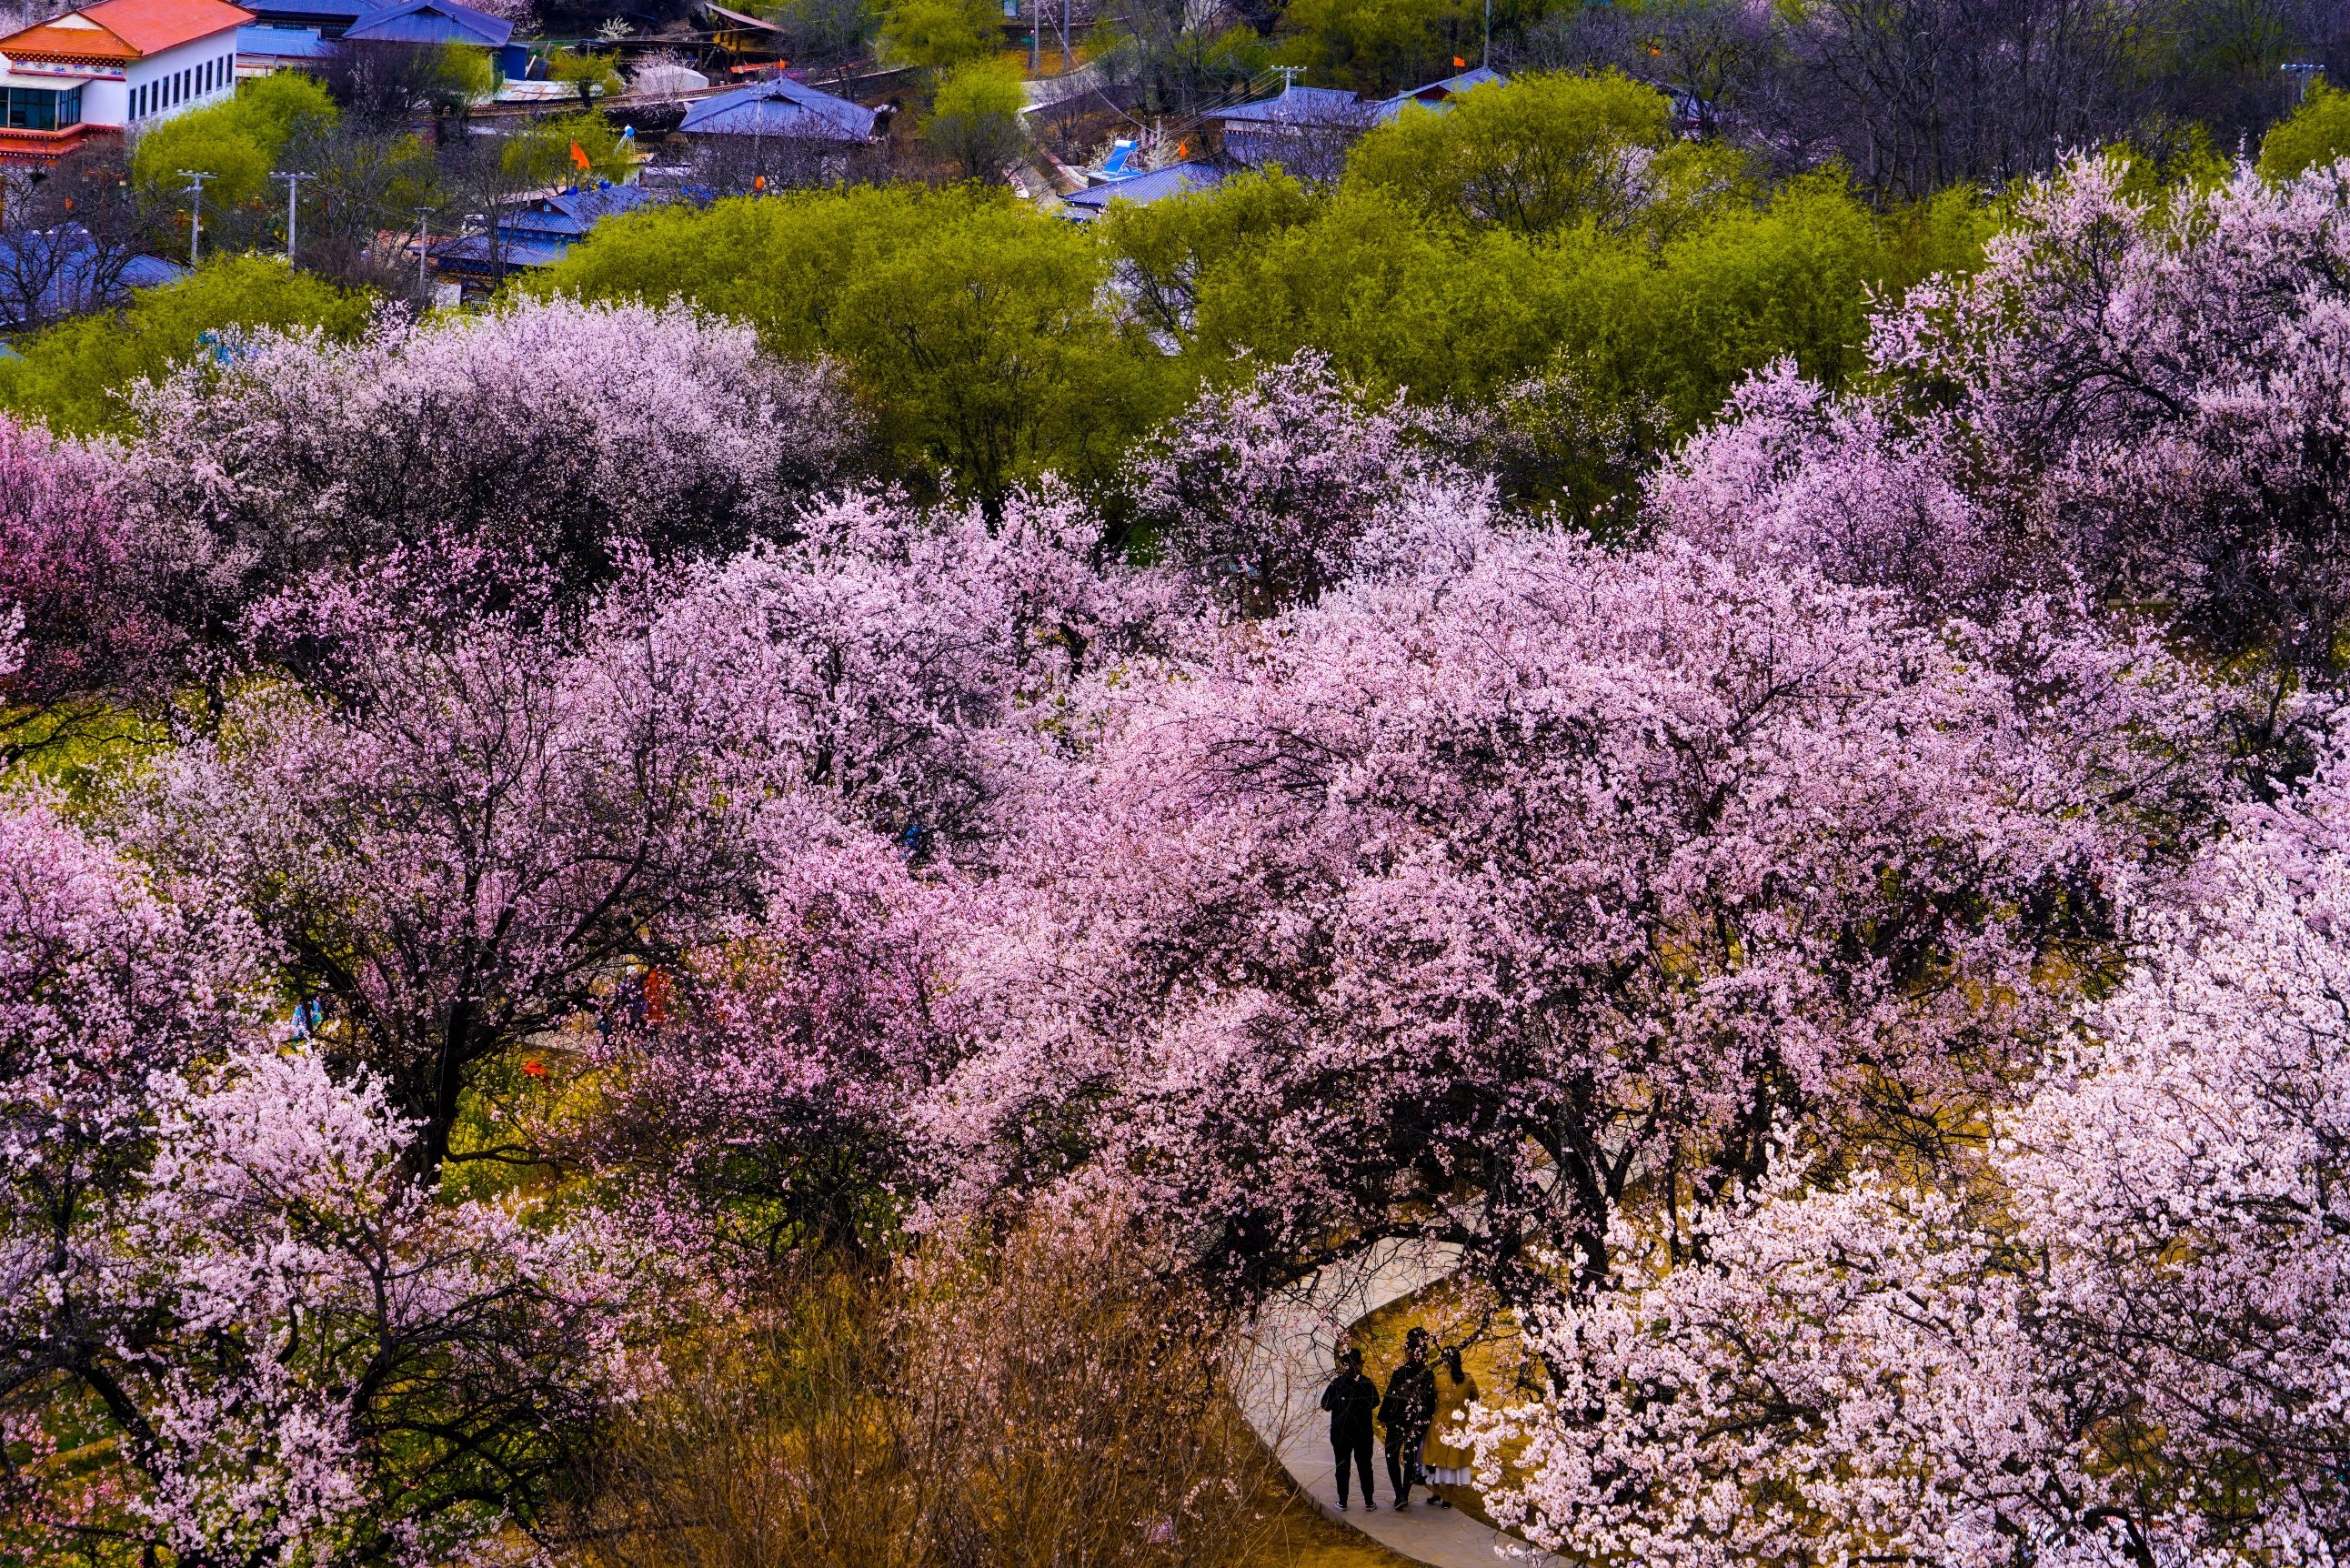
x=1446 y=1458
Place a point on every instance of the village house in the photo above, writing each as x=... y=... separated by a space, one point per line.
x=431 y=22
x=539 y=235
x=118 y=66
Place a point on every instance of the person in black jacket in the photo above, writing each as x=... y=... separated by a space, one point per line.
x=1350 y=1399
x=1409 y=1406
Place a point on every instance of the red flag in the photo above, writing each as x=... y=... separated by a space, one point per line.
x=578 y=156
x=1458 y=63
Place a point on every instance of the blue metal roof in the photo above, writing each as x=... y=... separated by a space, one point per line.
x=1296 y=106
x=1434 y=94
x=283 y=43
x=1155 y=186
x=783 y=109
x=431 y=22
x=71 y=288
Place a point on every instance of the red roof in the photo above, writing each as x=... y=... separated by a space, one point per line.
x=125 y=29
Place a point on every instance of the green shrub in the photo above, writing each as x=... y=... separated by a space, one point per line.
x=75 y=377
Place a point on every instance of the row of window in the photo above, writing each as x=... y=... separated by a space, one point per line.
x=40 y=108
x=180 y=86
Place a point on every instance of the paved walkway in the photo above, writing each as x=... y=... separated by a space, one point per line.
x=1282 y=1392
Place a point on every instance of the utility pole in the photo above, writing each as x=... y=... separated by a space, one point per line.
x=1487 y=58
x=292 y=188
x=1036 y=37
x=1065 y=37
x=195 y=207
x=1289 y=75
x=423 y=247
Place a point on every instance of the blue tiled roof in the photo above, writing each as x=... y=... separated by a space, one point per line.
x=1434 y=94
x=783 y=109
x=71 y=288
x=541 y=232
x=1298 y=106
x=471 y=254
x=432 y=22
x=574 y=213
x=1155 y=186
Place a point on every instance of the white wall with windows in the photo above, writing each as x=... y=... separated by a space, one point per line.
x=194 y=74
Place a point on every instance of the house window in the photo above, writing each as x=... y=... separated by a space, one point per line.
x=38 y=109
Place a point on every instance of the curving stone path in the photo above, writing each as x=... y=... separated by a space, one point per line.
x=1281 y=1396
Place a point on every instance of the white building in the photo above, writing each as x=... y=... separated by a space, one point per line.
x=116 y=65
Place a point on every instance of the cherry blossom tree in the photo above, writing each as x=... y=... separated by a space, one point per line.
x=1853 y=489
x=268 y=1342
x=350 y=1369
x=773 y=1105
x=2115 y=1340
x=2175 y=372
x=102 y=982
x=1270 y=486
x=567 y=431
x=1463 y=904
x=900 y=663
x=2142 y=393
x=468 y=818
x=81 y=580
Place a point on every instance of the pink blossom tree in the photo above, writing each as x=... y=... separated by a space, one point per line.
x=214 y=1258
x=567 y=431
x=2115 y=1338
x=345 y=1367
x=1268 y=487
x=1464 y=904
x=102 y=982
x=469 y=818
x=81 y=579
x=900 y=664
x=774 y=1104
x=2142 y=394
x=1847 y=487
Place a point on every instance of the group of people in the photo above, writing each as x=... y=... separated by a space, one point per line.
x=1420 y=1414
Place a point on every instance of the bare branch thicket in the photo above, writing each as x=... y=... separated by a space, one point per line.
x=1049 y=1401
x=68 y=233
x=732 y=165
x=1917 y=96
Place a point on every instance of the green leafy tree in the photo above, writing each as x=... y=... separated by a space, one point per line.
x=975 y=121
x=539 y=154
x=1380 y=46
x=1543 y=152
x=1163 y=250
x=973 y=327
x=237 y=141
x=2316 y=132
x=588 y=74
x=75 y=377
x=937 y=34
